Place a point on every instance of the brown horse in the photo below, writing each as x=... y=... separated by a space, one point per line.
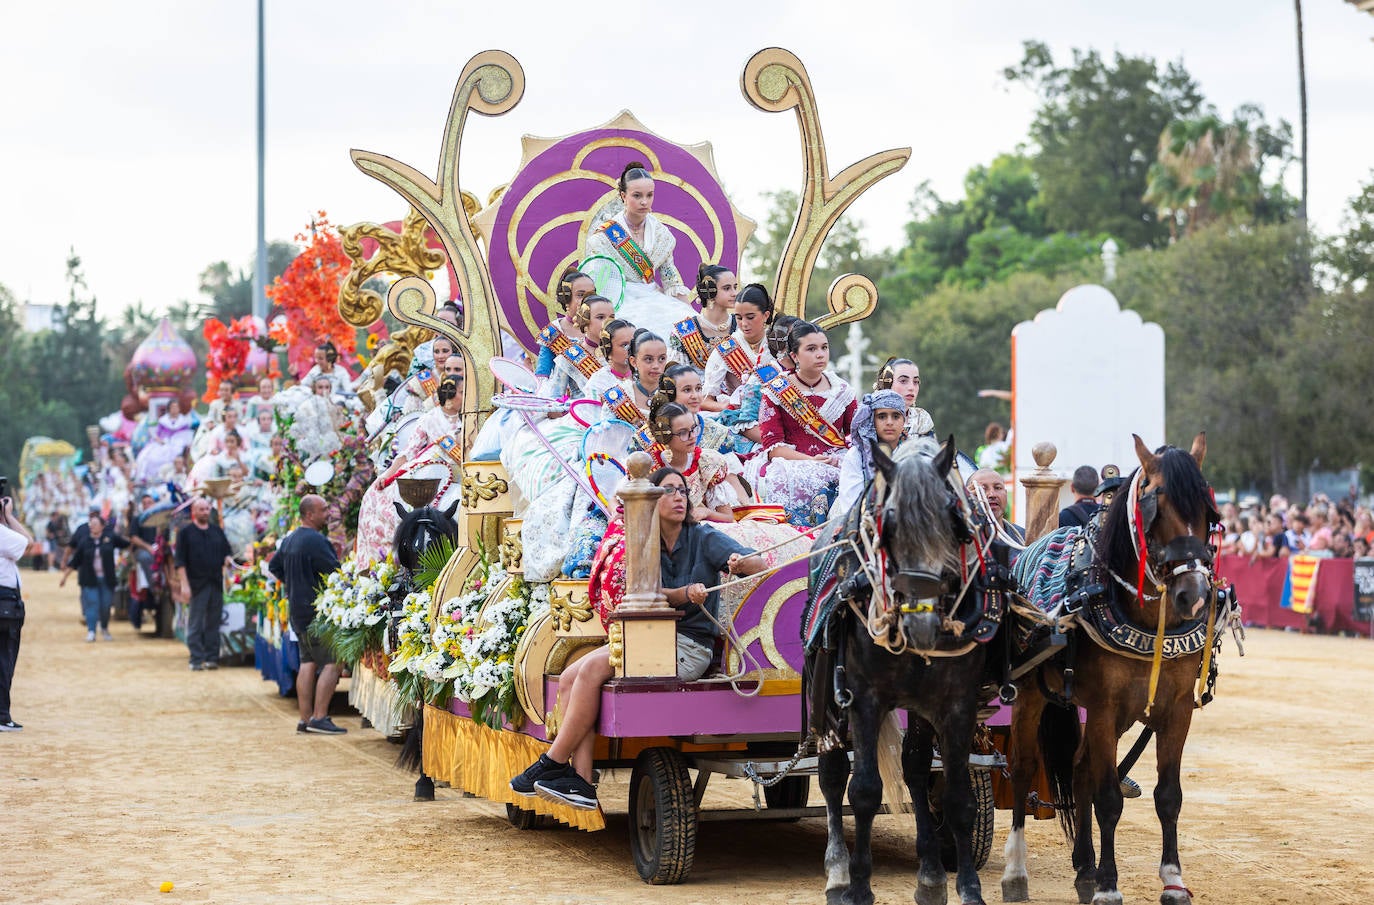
x=1119 y=684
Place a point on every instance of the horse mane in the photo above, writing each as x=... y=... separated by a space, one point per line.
x=917 y=502
x=1188 y=494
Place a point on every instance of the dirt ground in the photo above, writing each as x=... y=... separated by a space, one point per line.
x=132 y=770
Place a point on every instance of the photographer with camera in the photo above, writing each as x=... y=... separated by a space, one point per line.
x=15 y=540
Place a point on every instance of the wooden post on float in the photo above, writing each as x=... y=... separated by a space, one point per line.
x=643 y=633
x=1043 y=487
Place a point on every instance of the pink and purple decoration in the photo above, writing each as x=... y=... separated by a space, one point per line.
x=567 y=178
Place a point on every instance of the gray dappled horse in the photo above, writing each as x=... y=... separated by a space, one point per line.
x=908 y=527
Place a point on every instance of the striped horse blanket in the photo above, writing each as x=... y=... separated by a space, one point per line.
x=1042 y=571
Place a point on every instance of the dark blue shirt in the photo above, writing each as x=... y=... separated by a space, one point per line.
x=700 y=555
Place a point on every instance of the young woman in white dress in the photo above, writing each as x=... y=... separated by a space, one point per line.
x=643 y=247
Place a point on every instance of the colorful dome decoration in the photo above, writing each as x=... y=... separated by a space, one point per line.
x=164 y=364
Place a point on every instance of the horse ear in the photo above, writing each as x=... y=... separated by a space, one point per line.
x=882 y=460
x=401 y=510
x=1199 y=450
x=945 y=460
x=1148 y=460
x=451 y=510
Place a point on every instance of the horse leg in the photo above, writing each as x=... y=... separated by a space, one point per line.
x=1099 y=766
x=1169 y=801
x=865 y=794
x=833 y=773
x=956 y=740
x=1084 y=858
x=917 y=752
x=1024 y=757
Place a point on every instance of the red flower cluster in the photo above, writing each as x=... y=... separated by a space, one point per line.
x=230 y=345
x=308 y=295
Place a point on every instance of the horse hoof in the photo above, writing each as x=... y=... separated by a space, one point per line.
x=424 y=789
x=835 y=895
x=1176 y=897
x=1016 y=889
x=1107 y=898
x=1086 y=887
x=930 y=893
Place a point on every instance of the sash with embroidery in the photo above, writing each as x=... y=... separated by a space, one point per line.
x=645 y=438
x=450 y=447
x=577 y=355
x=629 y=249
x=693 y=342
x=781 y=391
x=736 y=357
x=426 y=381
x=622 y=406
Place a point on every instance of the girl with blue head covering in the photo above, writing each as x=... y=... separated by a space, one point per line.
x=881 y=417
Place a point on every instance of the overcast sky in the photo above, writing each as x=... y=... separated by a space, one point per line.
x=128 y=128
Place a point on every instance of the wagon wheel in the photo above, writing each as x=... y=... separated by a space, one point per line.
x=663 y=817
x=984 y=811
x=792 y=792
x=522 y=819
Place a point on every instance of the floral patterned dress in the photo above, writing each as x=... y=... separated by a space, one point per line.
x=804 y=488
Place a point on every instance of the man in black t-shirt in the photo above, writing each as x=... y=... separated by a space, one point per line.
x=203 y=552
x=1084 y=487
x=302 y=562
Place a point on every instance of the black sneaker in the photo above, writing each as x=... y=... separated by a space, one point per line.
x=324 y=725
x=568 y=789
x=1129 y=788
x=10 y=726
x=212 y=664
x=544 y=768
x=300 y=727
x=197 y=667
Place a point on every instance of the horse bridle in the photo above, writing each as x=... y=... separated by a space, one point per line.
x=924 y=588
x=1184 y=555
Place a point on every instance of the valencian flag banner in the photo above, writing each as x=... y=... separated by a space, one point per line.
x=1300 y=587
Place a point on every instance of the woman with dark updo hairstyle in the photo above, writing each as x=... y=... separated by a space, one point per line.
x=694 y=338
x=733 y=392
x=903 y=377
x=584 y=313
x=327 y=365
x=627 y=232
x=614 y=345
x=806 y=425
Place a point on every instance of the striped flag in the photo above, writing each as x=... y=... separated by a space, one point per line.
x=1300 y=587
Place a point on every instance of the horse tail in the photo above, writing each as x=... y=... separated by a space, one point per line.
x=1059 y=736
x=412 y=747
x=896 y=795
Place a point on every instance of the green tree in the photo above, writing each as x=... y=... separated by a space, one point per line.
x=1228 y=300
x=1348 y=258
x=230 y=291
x=1209 y=169
x=1095 y=135
x=17 y=386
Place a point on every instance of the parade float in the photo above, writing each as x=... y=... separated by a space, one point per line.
x=478 y=645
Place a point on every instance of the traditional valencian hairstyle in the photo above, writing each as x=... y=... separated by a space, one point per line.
x=635 y=169
x=888 y=372
x=563 y=293
x=448 y=389
x=662 y=411
x=707 y=286
x=582 y=317
x=331 y=354
x=607 y=337
x=799 y=331
x=642 y=335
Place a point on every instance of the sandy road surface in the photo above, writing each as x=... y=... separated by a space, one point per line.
x=131 y=770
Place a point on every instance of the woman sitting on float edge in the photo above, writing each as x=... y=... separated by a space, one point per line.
x=712 y=492
x=643 y=247
x=695 y=338
x=805 y=418
x=584 y=313
x=692 y=556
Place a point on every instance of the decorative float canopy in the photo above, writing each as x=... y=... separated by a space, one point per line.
x=164 y=364
x=539 y=222
x=538 y=225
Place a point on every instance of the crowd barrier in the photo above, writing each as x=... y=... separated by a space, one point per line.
x=1259 y=587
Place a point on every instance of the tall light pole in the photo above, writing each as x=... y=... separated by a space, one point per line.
x=260 y=265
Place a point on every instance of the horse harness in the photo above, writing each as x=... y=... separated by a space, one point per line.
x=970 y=601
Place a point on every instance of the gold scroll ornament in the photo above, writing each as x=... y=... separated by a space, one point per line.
x=774 y=81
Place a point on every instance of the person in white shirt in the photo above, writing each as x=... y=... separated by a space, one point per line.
x=15 y=540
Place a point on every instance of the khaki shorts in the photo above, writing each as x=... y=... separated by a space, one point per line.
x=693 y=659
